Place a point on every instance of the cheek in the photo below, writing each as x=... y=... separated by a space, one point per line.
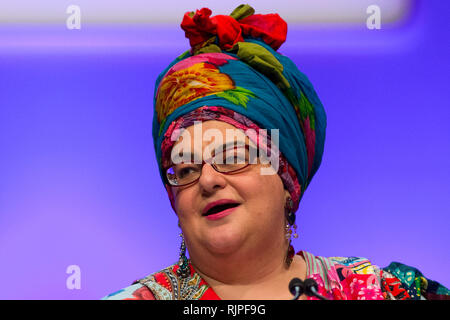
x=183 y=202
x=266 y=182
x=264 y=191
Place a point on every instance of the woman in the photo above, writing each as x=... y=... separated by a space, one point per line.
x=239 y=133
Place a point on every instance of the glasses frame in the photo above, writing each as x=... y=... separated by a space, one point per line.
x=212 y=165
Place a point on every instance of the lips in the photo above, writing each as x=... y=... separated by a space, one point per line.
x=219 y=206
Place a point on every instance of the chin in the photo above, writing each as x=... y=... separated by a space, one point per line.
x=224 y=241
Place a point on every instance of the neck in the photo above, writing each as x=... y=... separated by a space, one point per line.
x=246 y=261
x=240 y=269
x=249 y=274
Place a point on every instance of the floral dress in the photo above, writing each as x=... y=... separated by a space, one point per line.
x=338 y=278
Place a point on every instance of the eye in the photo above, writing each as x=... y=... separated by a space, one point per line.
x=183 y=171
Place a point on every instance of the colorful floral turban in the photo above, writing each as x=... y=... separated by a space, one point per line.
x=233 y=73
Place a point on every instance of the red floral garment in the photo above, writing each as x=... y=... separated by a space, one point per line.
x=338 y=278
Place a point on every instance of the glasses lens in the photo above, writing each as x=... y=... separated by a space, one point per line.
x=233 y=159
x=183 y=173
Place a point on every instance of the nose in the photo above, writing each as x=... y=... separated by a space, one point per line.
x=211 y=180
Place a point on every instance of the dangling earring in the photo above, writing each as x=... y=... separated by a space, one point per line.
x=289 y=232
x=290 y=254
x=183 y=263
x=290 y=217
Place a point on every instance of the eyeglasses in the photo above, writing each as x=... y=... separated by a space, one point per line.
x=227 y=162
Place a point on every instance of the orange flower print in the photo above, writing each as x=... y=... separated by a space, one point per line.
x=183 y=86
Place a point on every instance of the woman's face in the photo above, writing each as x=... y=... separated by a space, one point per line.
x=257 y=222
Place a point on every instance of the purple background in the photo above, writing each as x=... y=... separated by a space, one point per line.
x=79 y=182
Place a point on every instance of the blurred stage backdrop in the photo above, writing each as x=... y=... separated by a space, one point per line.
x=79 y=183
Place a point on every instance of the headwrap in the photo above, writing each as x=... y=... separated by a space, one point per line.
x=233 y=73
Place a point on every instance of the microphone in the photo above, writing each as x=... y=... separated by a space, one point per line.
x=297 y=287
x=311 y=288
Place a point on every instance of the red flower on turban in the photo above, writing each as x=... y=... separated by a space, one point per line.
x=200 y=27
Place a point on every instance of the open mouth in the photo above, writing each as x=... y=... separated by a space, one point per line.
x=219 y=208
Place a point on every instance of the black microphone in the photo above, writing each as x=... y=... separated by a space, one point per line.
x=311 y=287
x=296 y=287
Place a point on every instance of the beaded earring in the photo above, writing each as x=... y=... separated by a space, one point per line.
x=183 y=262
x=290 y=217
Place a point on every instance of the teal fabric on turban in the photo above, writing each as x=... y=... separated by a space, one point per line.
x=233 y=63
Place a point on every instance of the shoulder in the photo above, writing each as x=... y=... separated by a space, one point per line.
x=399 y=275
x=156 y=286
x=358 y=278
x=344 y=278
x=133 y=292
x=165 y=284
